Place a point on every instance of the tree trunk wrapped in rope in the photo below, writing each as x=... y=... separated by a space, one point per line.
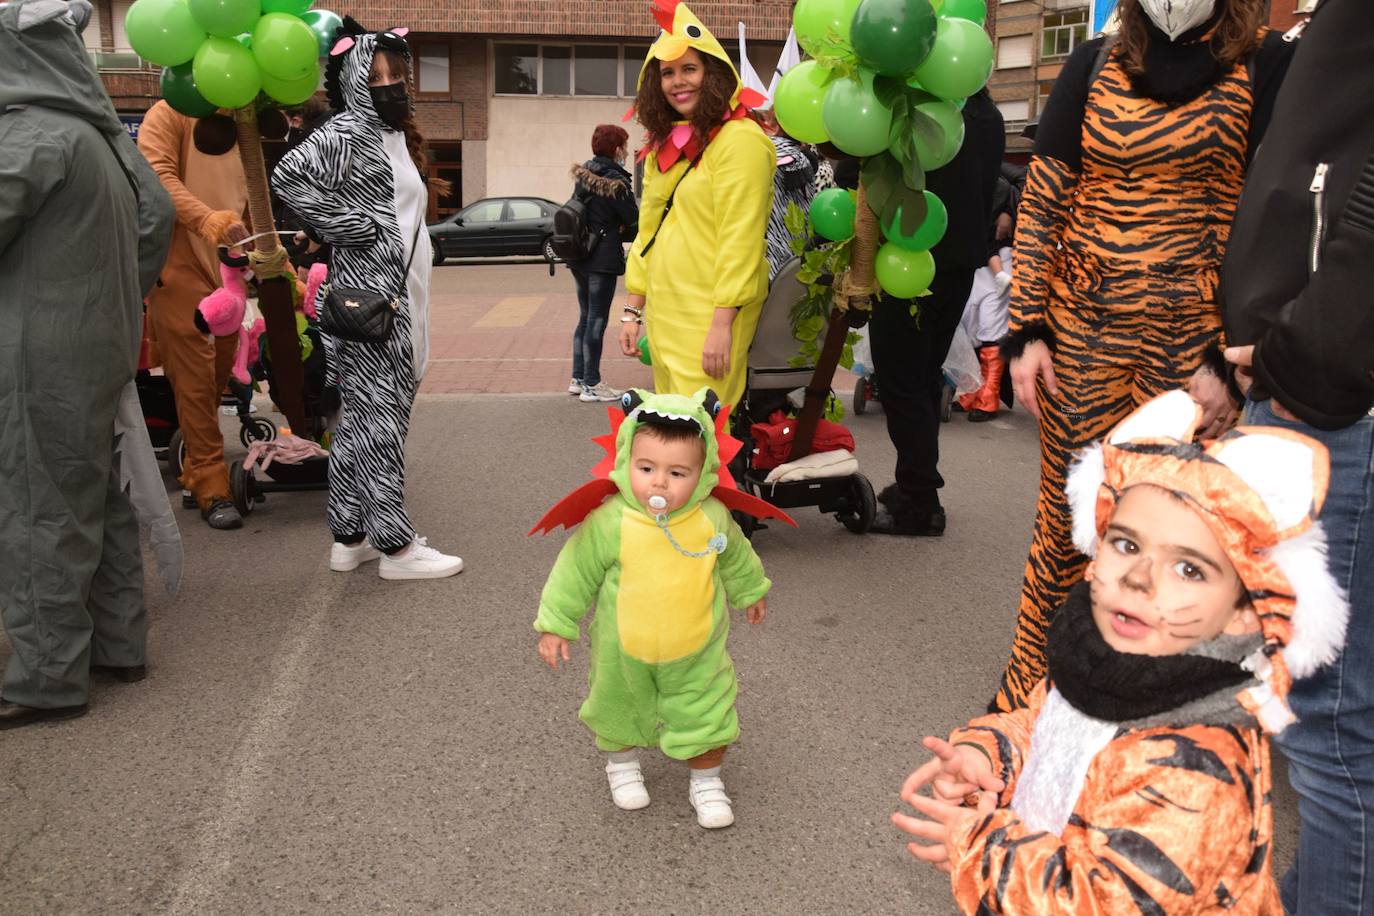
x=275 y=278
x=854 y=289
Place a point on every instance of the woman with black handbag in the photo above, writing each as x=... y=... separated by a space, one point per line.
x=357 y=183
x=612 y=219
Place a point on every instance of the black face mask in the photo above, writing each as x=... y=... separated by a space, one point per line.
x=391 y=103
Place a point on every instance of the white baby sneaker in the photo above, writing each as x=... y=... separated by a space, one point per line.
x=627 y=785
x=419 y=561
x=710 y=802
x=343 y=557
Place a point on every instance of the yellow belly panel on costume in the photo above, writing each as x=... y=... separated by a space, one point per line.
x=664 y=604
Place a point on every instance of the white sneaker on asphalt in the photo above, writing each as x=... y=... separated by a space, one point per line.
x=344 y=557
x=575 y=386
x=419 y=561
x=599 y=392
x=710 y=802
x=627 y=785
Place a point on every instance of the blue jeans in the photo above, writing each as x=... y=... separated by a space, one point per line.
x=595 y=291
x=1330 y=749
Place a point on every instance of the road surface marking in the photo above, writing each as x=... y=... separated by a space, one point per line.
x=511 y=312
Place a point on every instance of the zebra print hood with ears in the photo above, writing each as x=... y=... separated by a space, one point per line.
x=339 y=181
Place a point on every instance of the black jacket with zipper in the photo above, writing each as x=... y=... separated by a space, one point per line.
x=611 y=213
x=1296 y=279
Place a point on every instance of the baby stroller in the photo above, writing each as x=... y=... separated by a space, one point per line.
x=160 y=416
x=321 y=401
x=849 y=498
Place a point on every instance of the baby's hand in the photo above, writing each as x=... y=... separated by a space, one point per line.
x=755 y=612
x=551 y=646
x=954 y=774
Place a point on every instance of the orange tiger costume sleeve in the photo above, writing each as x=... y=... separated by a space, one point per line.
x=1040 y=222
x=1005 y=738
x=1169 y=821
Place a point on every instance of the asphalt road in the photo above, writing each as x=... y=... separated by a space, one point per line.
x=320 y=742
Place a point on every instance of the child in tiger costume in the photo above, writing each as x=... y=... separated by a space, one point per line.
x=1139 y=160
x=1138 y=779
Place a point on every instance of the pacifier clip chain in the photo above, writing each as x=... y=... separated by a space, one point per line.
x=715 y=545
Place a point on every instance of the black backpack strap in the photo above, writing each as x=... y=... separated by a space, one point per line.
x=668 y=207
x=1104 y=52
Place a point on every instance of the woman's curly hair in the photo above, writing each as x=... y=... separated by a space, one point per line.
x=657 y=115
x=1236 y=34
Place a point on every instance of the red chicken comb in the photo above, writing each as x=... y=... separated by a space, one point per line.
x=663 y=12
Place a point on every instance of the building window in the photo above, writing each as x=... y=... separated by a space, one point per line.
x=633 y=62
x=1014 y=51
x=1043 y=96
x=1014 y=110
x=599 y=70
x=1062 y=33
x=517 y=69
x=433 y=71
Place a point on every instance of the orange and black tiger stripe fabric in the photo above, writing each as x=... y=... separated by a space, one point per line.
x=1117 y=265
x=1168 y=821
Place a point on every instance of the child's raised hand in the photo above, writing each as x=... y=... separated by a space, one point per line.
x=551 y=647
x=953 y=774
x=941 y=824
x=755 y=612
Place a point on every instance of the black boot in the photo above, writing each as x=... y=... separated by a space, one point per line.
x=899 y=514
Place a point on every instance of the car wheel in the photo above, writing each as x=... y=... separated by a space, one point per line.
x=549 y=254
x=438 y=251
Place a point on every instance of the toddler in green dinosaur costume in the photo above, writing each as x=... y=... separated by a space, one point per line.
x=663 y=561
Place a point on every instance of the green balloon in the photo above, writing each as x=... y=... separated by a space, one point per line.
x=290 y=7
x=927 y=234
x=323 y=23
x=225 y=18
x=832 y=214
x=225 y=73
x=972 y=10
x=179 y=89
x=857 y=122
x=285 y=47
x=163 y=32
x=291 y=92
x=893 y=36
x=903 y=274
x=644 y=356
x=960 y=63
x=815 y=20
x=951 y=122
x=798 y=101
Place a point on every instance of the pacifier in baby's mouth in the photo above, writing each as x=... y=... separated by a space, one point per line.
x=658 y=503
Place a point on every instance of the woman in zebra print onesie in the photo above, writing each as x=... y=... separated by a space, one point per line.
x=356 y=183
x=1139 y=160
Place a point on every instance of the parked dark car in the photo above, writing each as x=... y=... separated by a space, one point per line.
x=495 y=227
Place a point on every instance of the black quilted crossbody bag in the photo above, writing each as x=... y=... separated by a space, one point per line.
x=363 y=315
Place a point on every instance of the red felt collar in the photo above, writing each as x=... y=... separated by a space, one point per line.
x=684 y=142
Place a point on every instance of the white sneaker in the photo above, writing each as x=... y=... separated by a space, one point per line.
x=575 y=386
x=599 y=392
x=343 y=557
x=710 y=802
x=419 y=561
x=627 y=786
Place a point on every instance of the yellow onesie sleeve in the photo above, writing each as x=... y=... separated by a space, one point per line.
x=742 y=185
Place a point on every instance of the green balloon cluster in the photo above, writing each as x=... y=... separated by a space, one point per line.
x=888 y=79
x=223 y=53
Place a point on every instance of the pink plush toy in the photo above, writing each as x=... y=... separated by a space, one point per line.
x=221 y=314
x=313 y=281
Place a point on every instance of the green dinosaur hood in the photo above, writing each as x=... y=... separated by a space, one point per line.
x=46 y=64
x=698 y=410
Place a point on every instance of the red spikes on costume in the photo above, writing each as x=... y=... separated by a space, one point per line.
x=603 y=469
x=752 y=98
x=664 y=11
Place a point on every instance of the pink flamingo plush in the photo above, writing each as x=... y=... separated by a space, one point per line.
x=313 y=281
x=221 y=314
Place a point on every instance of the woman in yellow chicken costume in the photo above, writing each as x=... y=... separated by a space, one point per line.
x=697 y=275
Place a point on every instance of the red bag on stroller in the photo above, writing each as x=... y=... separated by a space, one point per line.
x=773 y=440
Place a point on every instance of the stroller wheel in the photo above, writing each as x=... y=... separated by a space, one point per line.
x=865 y=506
x=243 y=488
x=860 y=395
x=259 y=429
x=176 y=454
x=747 y=523
x=946 y=402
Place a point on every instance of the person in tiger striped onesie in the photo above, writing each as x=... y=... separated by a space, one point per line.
x=356 y=183
x=1139 y=160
